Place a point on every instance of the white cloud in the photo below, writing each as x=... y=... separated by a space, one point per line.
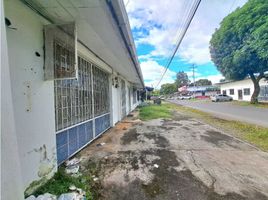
x=152 y=73
x=161 y=20
x=212 y=78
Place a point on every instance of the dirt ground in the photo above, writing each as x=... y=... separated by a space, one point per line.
x=180 y=158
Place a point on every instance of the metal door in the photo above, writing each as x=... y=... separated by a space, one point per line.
x=123 y=98
x=240 y=94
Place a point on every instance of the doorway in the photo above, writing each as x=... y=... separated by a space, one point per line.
x=240 y=94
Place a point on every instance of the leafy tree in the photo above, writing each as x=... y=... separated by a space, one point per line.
x=182 y=79
x=168 y=88
x=239 y=47
x=156 y=92
x=203 y=82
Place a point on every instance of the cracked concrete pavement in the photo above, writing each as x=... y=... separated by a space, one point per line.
x=179 y=158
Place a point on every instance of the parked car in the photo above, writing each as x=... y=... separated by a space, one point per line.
x=185 y=97
x=221 y=97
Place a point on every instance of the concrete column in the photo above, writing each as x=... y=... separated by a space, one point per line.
x=11 y=182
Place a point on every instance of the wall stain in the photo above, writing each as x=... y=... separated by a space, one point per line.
x=47 y=167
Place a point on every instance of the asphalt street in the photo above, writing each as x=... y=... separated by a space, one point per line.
x=176 y=159
x=228 y=110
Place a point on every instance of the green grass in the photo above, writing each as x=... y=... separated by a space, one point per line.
x=251 y=133
x=246 y=103
x=156 y=111
x=61 y=182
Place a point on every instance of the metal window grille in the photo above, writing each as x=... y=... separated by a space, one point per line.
x=60 y=51
x=73 y=97
x=123 y=97
x=100 y=91
x=64 y=59
x=134 y=96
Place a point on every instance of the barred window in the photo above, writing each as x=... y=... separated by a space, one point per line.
x=64 y=59
x=100 y=91
x=60 y=51
x=231 y=91
x=246 y=91
x=73 y=98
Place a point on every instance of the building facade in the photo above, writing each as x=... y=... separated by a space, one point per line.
x=242 y=90
x=73 y=72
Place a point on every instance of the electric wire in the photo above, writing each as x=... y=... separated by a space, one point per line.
x=183 y=22
x=188 y=22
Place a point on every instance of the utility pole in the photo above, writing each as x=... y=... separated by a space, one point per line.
x=193 y=68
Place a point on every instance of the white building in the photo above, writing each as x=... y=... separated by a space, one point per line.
x=242 y=90
x=69 y=73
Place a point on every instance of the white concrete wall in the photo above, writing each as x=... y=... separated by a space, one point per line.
x=33 y=98
x=11 y=179
x=116 y=100
x=116 y=103
x=240 y=85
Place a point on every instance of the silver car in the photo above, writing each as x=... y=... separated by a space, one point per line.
x=185 y=97
x=221 y=97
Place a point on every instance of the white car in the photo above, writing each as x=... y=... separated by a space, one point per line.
x=185 y=97
x=221 y=97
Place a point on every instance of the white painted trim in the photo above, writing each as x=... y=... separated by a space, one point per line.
x=69 y=127
x=102 y=115
x=85 y=53
x=80 y=123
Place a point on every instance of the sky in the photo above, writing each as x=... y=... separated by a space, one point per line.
x=156 y=27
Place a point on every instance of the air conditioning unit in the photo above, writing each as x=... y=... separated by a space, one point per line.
x=60 y=51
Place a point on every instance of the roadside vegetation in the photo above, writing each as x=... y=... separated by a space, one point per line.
x=153 y=111
x=61 y=182
x=253 y=134
x=237 y=47
x=245 y=103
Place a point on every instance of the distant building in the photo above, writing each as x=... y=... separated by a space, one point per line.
x=208 y=90
x=242 y=90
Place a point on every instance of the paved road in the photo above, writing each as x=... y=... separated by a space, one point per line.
x=228 y=110
x=179 y=158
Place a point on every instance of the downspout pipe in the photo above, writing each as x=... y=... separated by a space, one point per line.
x=132 y=56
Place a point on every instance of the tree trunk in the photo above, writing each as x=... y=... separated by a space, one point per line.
x=254 y=97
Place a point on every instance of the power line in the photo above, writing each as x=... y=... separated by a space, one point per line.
x=183 y=21
x=188 y=22
x=183 y=32
x=127 y=3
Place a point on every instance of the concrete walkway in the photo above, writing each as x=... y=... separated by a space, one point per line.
x=180 y=158
x=228 y=110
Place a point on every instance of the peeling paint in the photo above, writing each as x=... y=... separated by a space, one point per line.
x=47 y=167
